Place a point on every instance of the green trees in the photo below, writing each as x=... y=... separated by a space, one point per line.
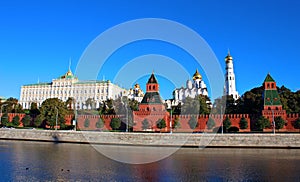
x=296 y=124
x=196 y=105
x=100 y=123
x=161 y=123
x=26 y=121
x=279 y=122
x=15 y=121
x=86 y=123
x=210 y=123
x=115 y=123
x=52 y=109
x=145 y=124
x=262 y=123
x=176 y=124
x=4 y=119
x=193 y=123
x=243 y=123
x=226 y=124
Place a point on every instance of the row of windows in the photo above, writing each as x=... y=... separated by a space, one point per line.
x=65 y=92
x=62 y=98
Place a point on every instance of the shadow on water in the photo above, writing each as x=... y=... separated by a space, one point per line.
x=55 y=138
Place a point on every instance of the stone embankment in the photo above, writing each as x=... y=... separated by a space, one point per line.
x=156 y=139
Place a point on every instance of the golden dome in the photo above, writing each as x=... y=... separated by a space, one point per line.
x=228 y=57
x=69 y=73
x=136 y=85
x=197 y=75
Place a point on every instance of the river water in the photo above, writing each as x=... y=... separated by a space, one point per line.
x=37 y=161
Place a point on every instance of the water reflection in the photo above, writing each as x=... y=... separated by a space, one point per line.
x=35 y=161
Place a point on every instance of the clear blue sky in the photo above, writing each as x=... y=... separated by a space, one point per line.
x=37 y=38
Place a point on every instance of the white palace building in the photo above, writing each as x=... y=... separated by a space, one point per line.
x=68 y=86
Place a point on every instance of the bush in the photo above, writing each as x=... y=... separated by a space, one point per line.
x=4 y=119
x=99 y=123
x=243 y=123
x=86 y=123
x=176 y=123
x=279 y=122
x=226 y=123
x=145 y=124
x=161 y=123
x=26 y=121
x=115 y=123
x=16 y=121
x=262 y=123
x=210 y=123
x=193 y=123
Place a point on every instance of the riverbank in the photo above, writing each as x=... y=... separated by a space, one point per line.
x=156 y=139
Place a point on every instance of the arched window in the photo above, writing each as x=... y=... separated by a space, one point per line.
x=268 y=85
x=269 y=108
x=273 y=85
x=147 y=108
x=153 y=87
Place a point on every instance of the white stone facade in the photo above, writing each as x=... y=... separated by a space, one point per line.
x=193 y=89
x=230 y=87
x=136 y=93
x=68 y=86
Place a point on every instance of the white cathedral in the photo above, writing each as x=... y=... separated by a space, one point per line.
x=197 y=86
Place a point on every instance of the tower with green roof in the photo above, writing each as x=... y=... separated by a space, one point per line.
x=272 y=103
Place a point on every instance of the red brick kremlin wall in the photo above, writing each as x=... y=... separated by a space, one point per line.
x=202 y=120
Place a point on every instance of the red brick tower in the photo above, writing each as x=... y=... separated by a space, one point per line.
x=272 y=103
x=151 y=108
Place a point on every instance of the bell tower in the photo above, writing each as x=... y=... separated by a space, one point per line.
x=230 y=87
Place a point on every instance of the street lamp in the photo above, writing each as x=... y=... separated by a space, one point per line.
x=56 y=118
x=222 y=119
x=1 y=112
x=171 y=121
x=124 y=102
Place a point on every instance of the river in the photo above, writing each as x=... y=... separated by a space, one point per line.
x=38 y=161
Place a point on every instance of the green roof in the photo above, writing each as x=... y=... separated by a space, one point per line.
x=269 y=78
x=151 y=98
x=37 y=84
x=271 y=98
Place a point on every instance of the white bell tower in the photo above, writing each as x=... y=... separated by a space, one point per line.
x=230 y=78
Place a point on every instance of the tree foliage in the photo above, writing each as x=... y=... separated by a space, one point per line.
x=145 y=124
x=177 y=123
x=262 y=123
x=193 y=123
x=12 y=106
x=115 y=123
x=51 y=108
x=26 y=121
x=16 y=121
x=161 y=123
x=4 y=119
x=243 y=123
x=279 y=122
x=296 y=124
x=86 y=123
x=100 y=123
x=210 y=123
x=196 y=105
x=226 y=123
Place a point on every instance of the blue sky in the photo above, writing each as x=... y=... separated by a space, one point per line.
x=38 y=38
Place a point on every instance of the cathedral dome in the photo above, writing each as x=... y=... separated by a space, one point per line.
x=197 y=75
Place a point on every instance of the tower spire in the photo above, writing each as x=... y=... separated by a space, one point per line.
x=70 y=62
